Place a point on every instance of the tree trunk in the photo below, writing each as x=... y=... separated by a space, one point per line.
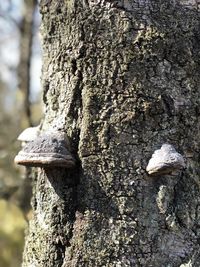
x=124 y=75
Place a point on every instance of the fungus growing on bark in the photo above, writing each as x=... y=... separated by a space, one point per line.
x=29 y=134
x=47 y=150
x=165 y=160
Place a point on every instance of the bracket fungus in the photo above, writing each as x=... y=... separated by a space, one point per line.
x=47 y=150
x=165 y=160
x=29 y=134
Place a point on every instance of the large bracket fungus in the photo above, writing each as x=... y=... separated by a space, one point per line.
x=165 y=160
x=47 y=150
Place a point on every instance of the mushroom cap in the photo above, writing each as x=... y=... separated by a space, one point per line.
x=47 y=150
x=165 y=161
x=29 y=134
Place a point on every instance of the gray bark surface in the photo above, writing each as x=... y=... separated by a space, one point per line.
x=123 y=78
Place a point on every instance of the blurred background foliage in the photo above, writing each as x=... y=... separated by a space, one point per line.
x=20 y=107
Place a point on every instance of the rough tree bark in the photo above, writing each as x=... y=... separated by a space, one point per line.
x=125 y=77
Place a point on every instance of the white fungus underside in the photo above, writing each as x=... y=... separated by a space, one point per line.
x=44 y=159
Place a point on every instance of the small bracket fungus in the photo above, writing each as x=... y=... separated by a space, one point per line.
x=165 y=161
x=29 y=134
x=47 y=150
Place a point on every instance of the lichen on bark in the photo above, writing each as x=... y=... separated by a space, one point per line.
x=125 y=77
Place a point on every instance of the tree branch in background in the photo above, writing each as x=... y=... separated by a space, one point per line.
x=26 y=37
